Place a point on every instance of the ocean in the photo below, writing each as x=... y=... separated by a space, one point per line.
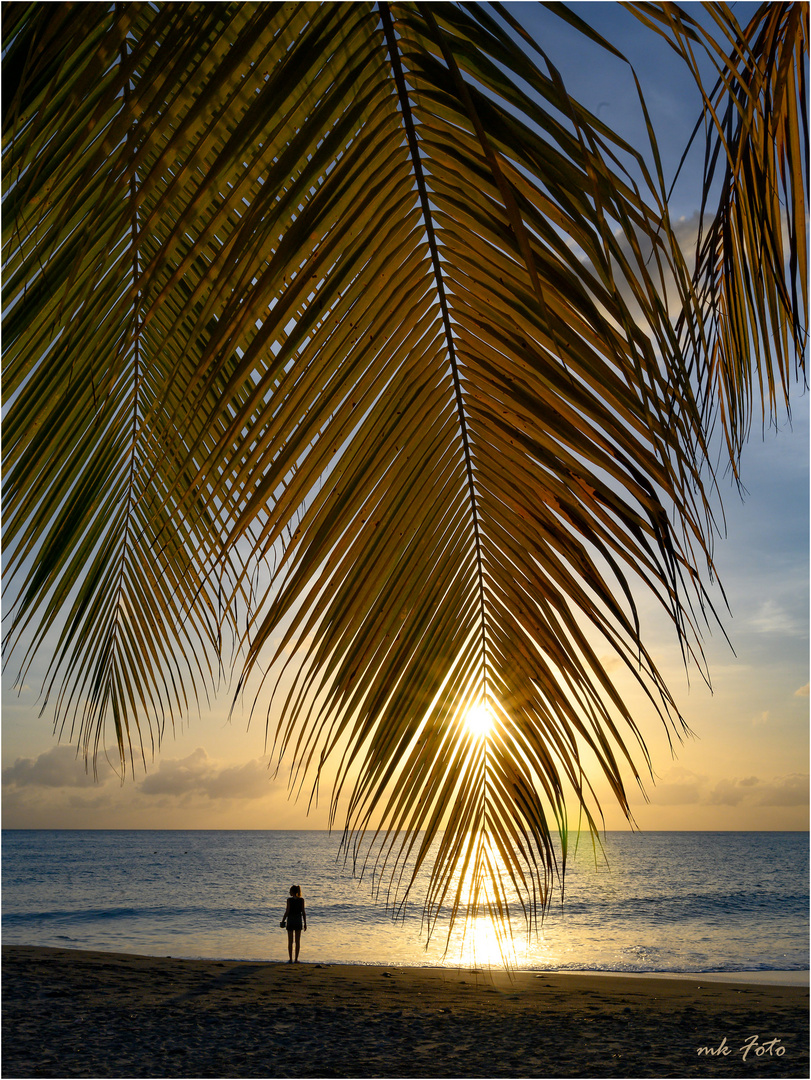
x=656 y=902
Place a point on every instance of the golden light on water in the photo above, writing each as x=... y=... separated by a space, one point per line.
x=481 y=945
x=482 y=937
x=479 y=720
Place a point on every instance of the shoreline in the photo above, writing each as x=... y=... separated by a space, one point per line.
x=79 y=1013
x=768 y=976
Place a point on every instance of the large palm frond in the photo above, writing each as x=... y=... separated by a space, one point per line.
x=341 y=330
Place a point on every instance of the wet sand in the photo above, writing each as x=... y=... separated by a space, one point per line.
x=70 y=1013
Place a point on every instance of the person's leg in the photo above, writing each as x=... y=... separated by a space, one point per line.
x=290 y=946
x=298 y=943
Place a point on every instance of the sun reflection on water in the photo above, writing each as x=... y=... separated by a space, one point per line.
x=483 y=933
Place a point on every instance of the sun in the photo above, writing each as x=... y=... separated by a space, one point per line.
x=479 y=720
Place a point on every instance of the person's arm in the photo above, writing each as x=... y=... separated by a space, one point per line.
x=303 y=915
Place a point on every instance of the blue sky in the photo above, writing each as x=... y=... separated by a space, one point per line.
x=747 y=766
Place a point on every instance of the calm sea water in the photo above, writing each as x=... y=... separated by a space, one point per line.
x=665 y=902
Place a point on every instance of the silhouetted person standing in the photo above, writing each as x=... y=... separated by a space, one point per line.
x=295 y=918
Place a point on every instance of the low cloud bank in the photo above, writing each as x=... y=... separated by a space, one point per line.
x=62 y=766
x=197 y=774
x=680 y=787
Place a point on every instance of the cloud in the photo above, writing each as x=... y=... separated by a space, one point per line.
x=61 y=766
x=789 y=790
x=729 y=793
x=686 y=233
x=680 y=787
x=772 y=618
x=802 y=691
x=198 y=774
x=612 y=662
x=784 y=791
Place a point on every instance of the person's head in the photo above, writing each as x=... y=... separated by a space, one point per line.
x=295 y=890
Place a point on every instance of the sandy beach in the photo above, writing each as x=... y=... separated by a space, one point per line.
x=71 y=1013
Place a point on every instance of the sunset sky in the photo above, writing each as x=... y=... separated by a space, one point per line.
x=746 y=767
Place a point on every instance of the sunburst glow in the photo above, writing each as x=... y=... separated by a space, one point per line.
x=479 y=720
